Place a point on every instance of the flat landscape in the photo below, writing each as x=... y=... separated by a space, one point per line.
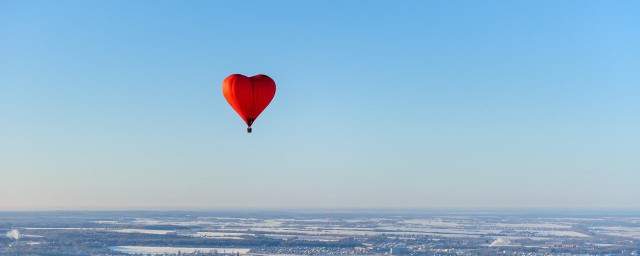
x=320 y=233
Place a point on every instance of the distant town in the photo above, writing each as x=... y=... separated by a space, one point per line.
x=289 y=233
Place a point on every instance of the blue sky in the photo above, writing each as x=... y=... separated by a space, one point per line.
x=420 y=104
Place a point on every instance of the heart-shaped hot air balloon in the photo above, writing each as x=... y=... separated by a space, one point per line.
x=248 y=96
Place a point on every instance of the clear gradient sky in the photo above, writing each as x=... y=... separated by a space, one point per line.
x=421 y=104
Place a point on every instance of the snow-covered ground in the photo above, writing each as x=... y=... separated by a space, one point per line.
x=533 y=225
x=630 y=232
x=503 y=242
x=152 y=250
x=147 y=221
x=561 y=233
x=220 y=235
x=143 y=231
x=64 y=228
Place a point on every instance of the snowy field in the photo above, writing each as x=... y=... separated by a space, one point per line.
x=144 y=231
x=158 y=233
x=630 y=232
x=152 y=250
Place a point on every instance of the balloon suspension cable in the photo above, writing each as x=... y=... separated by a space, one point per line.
x=248 y=129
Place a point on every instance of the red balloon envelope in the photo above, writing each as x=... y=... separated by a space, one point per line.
x=248 y=96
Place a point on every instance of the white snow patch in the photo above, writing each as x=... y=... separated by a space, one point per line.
x=502 y=242
x=168 y=250
x=13 y=234
x=561 y=233
x=533 y=225
x=143 y=231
